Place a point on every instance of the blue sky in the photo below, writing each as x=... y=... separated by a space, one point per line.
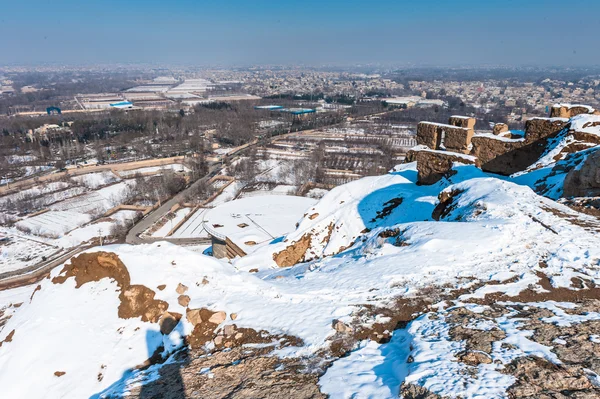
x=234 y=32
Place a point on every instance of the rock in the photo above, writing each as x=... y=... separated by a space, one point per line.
x=59 y=373
x=341 y=327
x=233 y=316
x=474 y=358
x=204 y=281
x=181 y=289
x=138 y=301
x=183 y=300
x=168 y=322
x=229 y=330
x=217 y=317
x=253 y=271
x=585 y=180
x=238 y=336
x=198 y=316
x=218 y=340
x=293 y=253
x=161 y=287
x=433 y=166
x=313 y=216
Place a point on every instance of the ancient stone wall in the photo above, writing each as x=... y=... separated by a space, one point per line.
x=569 y=111
x=539 y=128
x=462 y=121
x=440 y=136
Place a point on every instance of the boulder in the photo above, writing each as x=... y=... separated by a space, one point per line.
x=183 y=300
x=585 y=180
x=432 y=166
x=181 y=289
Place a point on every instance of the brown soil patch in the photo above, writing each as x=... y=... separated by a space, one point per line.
x=293 y=253
x=8 y=338
x=39 y=287
x=94 y=266
x=136 y=300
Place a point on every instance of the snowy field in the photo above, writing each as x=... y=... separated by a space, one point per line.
x=19 y=252
x=53 y=223
x=96 y=180
x=98 y=201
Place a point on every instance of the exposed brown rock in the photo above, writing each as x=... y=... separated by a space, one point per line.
x=412 y=391
x=183 y=300
x=181 y=289
x=217 y=317
x=294 y=253
x=433 y=166
x=537 y=376
x=138 y=301
x=168 y=322
x=341 y=327
x=59 y=373
x=8 y=338
x=313 y=216
x=161 y=287
x=474 y=358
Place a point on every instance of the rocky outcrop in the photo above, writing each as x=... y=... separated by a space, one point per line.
x=585 y=180
x=432 y=166
x=294 y=253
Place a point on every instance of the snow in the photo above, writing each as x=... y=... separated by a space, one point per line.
x=585 y=124
x=20 y=251
x=53 y=223
x=168 y=226
x=96 y=180
x=193 y=227
x=256 y=219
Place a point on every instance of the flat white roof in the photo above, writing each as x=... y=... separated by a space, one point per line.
x=259 y=219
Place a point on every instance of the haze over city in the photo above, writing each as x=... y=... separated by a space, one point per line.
x=463 y=32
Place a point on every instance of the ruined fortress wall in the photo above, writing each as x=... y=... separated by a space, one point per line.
x=500 y=128
x=427 y=134
x=458 y=139
x=461 y=121
x=454 y=138
x=563 y=111
x=540 y=128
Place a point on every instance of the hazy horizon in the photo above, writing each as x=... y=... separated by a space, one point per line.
x=424 y=33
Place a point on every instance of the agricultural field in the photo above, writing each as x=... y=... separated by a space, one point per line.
x=18 y=252
x=96 y=202
x=53 y=223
